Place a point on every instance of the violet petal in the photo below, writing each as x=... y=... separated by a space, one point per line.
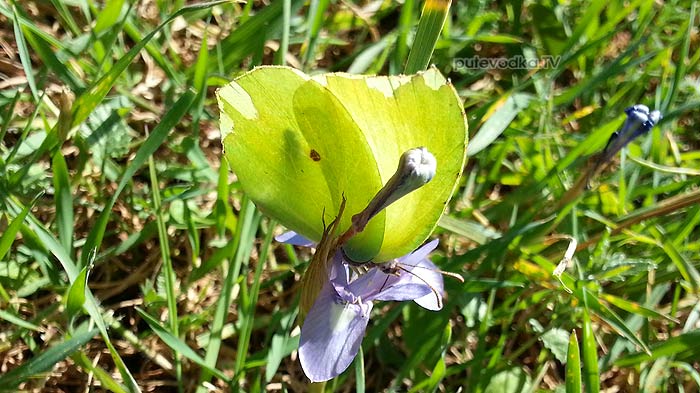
x=434 y=280
x=370 y=284
x=331 y=335
x=295 y=239
x=405 y=291
x=421 y=253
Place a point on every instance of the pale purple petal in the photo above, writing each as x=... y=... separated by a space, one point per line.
x=378 y=283
x=331 y=335
x=421 y=253
x=423 y=282
x=430 y=302
x=338 y=273
x=404 y=291
x=295 y=239
x=433 y=279
x=383 y=282
x=425 y=271
x=370 y=284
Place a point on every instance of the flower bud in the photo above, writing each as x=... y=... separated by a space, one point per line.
x=417 y=167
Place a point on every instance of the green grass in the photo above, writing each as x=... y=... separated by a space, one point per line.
x=111 y=174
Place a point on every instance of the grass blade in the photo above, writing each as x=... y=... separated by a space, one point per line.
x=635 y=308
x=46 y=360
x=282 y=343
x=430 y=25
x=468 y=229
x=248 y=315
x=75 y=296
x=51 y=243
x=573 y=366
x=107 y=382
x=7 y=119
x=66 y=16
x=502 y=114
x=683 y=264
x=681 y=62
x=48 y=55
x=317 y=11
x=245 y=233
x=157 y=137
x=26 y=22
x=168 y=271
x=281 y=54
x=617 y=67
x=360 y=371
x=24 y=54
x=591 y=374
x=246 y=38
x=178 y=345
x=19 y=322
x=405 y=21
x=686 y=344
x=8 y=237
x=108 y=16
x=87 y=102
x=440 y=369
x=63 y=199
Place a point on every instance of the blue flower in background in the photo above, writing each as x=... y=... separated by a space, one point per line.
x=335 y=325
x=639 y=121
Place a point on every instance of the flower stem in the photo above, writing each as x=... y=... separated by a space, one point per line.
x=317 y=387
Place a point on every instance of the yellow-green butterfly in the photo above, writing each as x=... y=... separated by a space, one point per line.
x=299 y=143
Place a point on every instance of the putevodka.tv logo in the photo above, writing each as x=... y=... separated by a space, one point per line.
x=518 y=62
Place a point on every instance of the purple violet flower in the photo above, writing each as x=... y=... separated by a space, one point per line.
x=335 y=325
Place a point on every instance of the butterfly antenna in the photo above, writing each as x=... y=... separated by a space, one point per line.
x=384 y=284
x=444 y=273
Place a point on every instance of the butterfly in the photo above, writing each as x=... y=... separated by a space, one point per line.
x=299 y=144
